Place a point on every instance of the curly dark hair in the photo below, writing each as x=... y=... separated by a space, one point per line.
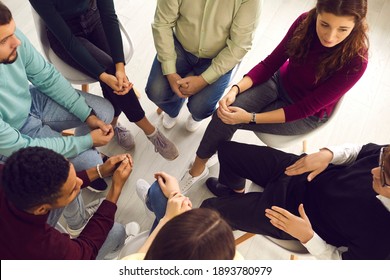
x=34 y=176
x=5 y=14
x=356 y=44
x=198 y=234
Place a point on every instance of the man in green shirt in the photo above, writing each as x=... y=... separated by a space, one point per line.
x=35 y=115
x=198 y=44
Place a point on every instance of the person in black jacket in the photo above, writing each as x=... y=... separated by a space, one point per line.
x=337 y=197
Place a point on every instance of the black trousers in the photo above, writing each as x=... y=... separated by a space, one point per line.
x=264 y=166
x=88 y=29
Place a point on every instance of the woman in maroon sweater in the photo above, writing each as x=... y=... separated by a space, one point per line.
x=295 y=88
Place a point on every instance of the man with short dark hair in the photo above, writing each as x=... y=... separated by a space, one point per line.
x=35 y=115
x=36 y=181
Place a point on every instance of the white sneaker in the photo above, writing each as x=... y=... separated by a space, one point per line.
x=191 y=124
x=90 y=209
x=142 y=187
x=187 y=181
x=132 y=229
x=168 y=122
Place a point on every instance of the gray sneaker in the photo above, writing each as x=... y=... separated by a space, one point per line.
x=164 y=146
x=124 y=137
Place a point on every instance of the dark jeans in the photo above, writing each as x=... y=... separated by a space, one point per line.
x=89 y=31
x=200 y=105
x=265 y=97
x=264 y=166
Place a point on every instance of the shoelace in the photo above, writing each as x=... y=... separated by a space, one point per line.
x=158 y=142
x=122 y=133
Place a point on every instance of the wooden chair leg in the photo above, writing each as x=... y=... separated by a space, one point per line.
x=85 y=87
x=293 y=257
x=304 y=146
x=244 y=237
x=68 y=132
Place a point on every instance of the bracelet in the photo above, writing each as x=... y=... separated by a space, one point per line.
x=98 y=171
x=238 y=89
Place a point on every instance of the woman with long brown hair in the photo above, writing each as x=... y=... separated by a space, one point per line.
x=295 y=89
x=179 y=231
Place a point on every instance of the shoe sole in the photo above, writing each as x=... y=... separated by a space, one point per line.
x=169 y=158
x=95 y=190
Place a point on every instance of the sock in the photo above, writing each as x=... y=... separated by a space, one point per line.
x=153 y=133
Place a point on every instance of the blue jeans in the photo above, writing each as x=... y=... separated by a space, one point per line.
x=113 y=243
x=156 y=202
x=48 y=119
x=200 y=105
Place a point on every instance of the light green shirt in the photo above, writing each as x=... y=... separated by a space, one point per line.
x=16 y=100
x=222 y=30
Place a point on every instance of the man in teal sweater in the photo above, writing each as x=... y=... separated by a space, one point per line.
x=35 y=115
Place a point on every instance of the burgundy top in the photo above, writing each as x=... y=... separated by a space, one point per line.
x=298 y=78
x=27 y=236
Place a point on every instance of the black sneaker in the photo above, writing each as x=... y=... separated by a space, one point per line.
x=218 y=189
x=99 y=185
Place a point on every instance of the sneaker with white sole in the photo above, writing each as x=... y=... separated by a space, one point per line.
x=168 y=122
x=162 y=145
x=188 y=181
x=132 y=229
x=124 y=137
x=142 y=187
x=191 y=124
x=90 y=209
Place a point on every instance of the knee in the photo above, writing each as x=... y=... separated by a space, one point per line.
x=86 y=160
x=106 y=111
x=155 y=193
x=208 y=203
x=156 y=90
x=201 y=111
x=118 y=233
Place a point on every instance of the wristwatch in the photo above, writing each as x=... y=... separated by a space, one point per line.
x=253 y=119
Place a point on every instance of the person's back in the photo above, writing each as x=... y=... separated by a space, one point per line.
x=35 y=182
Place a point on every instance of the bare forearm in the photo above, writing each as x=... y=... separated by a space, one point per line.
x=145 y=247
x=114 y=193
x=245 y=84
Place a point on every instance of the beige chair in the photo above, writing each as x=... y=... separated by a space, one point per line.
x=283 y=141
x=73 y=75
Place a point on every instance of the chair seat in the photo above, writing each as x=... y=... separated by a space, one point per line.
x=280 y=141
x=73 y=75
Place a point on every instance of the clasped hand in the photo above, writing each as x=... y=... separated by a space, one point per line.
x=108 y=168
x=185 y=87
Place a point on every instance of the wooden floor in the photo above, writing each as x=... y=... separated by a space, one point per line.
x=363 y=117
